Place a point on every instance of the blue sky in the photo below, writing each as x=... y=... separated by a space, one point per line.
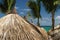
x=22 y=9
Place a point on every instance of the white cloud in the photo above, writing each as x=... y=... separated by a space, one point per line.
x=48 y=21
x=21 y=12
x=45 y=19
x=58 y=17
x=57 y=20
x=16 y=7
x=26 y=9
x=35 y=0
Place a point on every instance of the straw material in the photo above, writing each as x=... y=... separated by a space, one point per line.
x=55 y=35
x=14 y=27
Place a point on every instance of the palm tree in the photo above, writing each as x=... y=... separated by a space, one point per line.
x=35 y=7
x=7 y=6
x=57 y=2
x=51 y=8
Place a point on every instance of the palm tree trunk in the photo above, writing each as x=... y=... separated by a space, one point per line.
x=38 y=23
x=53 y=21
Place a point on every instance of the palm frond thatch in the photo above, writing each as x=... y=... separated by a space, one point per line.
x=55 y=35
x=13 y=27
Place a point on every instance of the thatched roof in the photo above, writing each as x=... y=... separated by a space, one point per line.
x=55 y=35
x=14 y=27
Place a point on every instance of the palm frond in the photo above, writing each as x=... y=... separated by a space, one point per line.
x=57 y=2
x=49 y=5
x=7 y=5
x=35 y=8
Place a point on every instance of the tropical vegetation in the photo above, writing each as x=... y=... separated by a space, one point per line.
x=51 y=8
x=57 y=2
x=35 y=7
x=7 y=6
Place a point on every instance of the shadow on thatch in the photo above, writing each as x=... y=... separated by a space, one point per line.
x=14 y=27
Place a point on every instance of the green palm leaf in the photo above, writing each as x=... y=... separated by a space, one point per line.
x=51 y=8
x=35 y=8
x=7 y=5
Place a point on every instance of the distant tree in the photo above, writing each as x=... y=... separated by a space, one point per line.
x=51 y=8
x=7 y=6
x=57 y=2
x=35 y=7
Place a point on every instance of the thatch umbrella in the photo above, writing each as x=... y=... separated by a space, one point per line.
x=55 y=35
x=14 y=27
